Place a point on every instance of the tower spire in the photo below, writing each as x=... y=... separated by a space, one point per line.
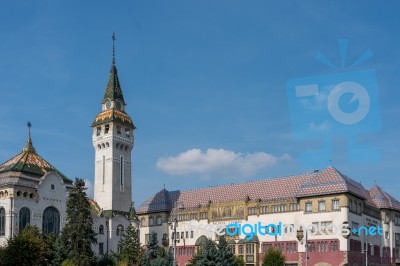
x=113 y=48
x=29 y=145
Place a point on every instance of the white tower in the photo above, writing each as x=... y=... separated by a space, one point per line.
x=113 y=142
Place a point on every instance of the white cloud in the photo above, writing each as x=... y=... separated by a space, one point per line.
x=89 y=186
x=324 y=126
x=217 y=161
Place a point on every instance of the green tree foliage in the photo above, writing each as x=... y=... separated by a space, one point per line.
x=211 y=254
x=274 y=257
x=78 y=235
x=152 y=246
x=28 y=248
x=239 y=261
x=131 y=251
x=107 y=260
x=163 y=258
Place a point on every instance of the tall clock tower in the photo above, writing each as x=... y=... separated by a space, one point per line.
x=113 y=142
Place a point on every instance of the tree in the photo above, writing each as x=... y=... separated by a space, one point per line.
x=274 y=257
x=215 y=255
x=152 y=246
x=131 y=252
x=164 y=258
x=224 y=255
x=78 y=235
x=28 y=248
x=239 y=261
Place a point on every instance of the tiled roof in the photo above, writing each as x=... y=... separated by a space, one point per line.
x=328 y=181
x=113 y=90
x=382 y=199
x=28 y=161
x=113 y=115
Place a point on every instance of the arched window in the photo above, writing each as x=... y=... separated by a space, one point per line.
x=51 y=221
x=101 y=229
x=120 y=229
x=24 y=218
x=2 y=221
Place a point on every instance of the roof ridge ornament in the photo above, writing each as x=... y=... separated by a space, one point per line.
x=29 y=145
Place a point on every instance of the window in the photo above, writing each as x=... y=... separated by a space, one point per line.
x=2 y=221
x=249 y=249
x=187 y=234
x=159 y=220
x=335 y=205
x=118 y=130
x=182 y=235
x=24 y=218
x=52 y=186
x=309 y=207
x=121 y=173
x=354 y=226
x=127 y=132
x=142 y=222
x=106 y=129
x=101 y=229
x=120 y=229
x=51 y=221
x=151 y=221
x=101 y=248
x=98 y=131
x=191 y=234
x=321 y=206
x=240 y=249
x=146 y=238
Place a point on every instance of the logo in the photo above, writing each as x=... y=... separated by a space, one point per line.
x=342 y=104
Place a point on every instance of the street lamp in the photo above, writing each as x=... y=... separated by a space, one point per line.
x=300 y=237
x=366 y=252
x=174 y=223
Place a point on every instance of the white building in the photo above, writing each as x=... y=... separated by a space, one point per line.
x=325 y=197
x=34 y=192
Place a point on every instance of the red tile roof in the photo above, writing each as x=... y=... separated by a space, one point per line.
x=328 y=181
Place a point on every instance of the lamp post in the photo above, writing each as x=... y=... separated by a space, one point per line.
x=366 y=252
x=300 y=237
x=174 y=223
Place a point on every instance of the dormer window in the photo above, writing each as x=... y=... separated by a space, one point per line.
x=106 y=129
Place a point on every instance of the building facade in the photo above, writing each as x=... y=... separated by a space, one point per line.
x=320 y=201
x=32 y=191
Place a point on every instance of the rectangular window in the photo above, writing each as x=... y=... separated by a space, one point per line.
x=146 y=238
x=104 y=169
x=355 y=226
x=187 y=234
x=182 y=235
x=309 y=207
x=335 y=205
x=240 y=249
x=191 y=234
x=127 y=132
x=106 y=129
x=121 y=173
x=321 y=206
x=101 y=248
x=98 y=131
x=118 y=130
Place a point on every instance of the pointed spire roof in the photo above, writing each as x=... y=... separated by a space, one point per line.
x=28 y=161
x=113 y=89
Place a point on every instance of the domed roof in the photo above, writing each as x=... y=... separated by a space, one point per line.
x=28 y=161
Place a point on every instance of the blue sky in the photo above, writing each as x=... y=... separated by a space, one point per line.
x=205 y=83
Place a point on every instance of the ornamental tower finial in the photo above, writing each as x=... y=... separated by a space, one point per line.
x=113 y=48
x=29 y=145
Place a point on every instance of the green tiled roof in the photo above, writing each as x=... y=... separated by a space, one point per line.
x=28 y=161
x=113 y=116
x=113 y=90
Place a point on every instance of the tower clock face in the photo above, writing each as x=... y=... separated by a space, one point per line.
x=118 y=105
x=108 y=104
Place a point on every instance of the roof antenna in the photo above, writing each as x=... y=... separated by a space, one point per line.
x=113 y=50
